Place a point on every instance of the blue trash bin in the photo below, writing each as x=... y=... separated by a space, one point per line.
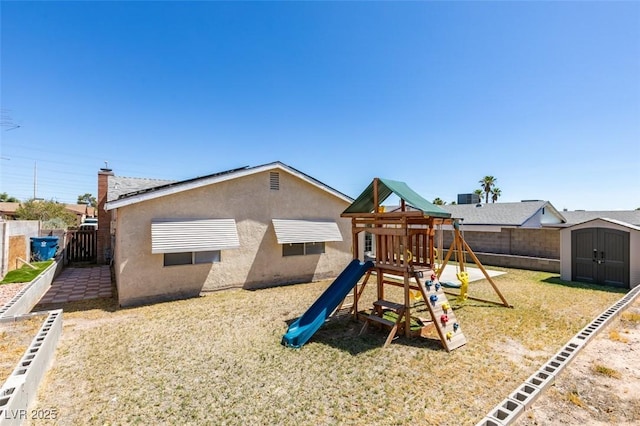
x=43 y=248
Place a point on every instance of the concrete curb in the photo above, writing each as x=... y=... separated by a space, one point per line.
x=20 y=389
x=30 y=295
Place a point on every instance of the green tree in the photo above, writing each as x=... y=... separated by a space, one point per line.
x=4 y=197
x=46 y=211
x=478 y=192
x=495 y=193
x=486 y=183
x=87 y=199
x=438 y=202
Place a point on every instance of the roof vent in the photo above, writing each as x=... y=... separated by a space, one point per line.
x=479 y=205
x=274 y=181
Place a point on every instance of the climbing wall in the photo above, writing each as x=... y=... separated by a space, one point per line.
x=443 y=317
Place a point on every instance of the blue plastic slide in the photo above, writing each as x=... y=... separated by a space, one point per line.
x=304 y=327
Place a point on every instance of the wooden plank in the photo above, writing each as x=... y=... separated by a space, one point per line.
x=380 y=320
x=486 y=274
x=388 y=305
x=456 y=338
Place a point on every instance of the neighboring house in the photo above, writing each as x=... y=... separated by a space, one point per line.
x=631 y=217
x=250 y=227
x=521 y=235
x=82 y=211
x=8 y=210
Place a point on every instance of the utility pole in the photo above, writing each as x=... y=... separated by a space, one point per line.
x=35 y=179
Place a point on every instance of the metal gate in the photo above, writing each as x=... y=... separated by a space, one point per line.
x=600 y=255
x=82 y=246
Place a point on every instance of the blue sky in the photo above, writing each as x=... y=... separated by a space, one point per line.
x=544 y=96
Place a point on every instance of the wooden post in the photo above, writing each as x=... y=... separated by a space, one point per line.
x=375 y=196
x=407 y=305
x=430 y=235
x=447 y=257
x=486 y=274
x=459 y=247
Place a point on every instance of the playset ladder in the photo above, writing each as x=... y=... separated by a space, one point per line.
x=377 y=316
x=442 y=314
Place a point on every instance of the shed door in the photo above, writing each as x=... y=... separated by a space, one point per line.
x=600 y=255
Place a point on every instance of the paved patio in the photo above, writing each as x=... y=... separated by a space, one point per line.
x=475 y=274
x=75 y=284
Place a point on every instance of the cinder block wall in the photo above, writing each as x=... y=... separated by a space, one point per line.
x=543 y=243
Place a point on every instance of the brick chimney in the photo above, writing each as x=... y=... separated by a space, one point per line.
x=104 y=252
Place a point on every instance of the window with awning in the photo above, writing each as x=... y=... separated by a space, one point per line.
x=291 y=231
x=193 y=235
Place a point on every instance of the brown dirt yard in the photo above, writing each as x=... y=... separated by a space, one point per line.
x=602 y=385
x=218 y=359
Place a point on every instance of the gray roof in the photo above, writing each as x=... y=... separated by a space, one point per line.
x=125 y=191
x=628 y=216
x=505 y=214
x=119 y=186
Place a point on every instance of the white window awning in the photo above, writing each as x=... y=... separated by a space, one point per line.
x=305 y=231
x=193 y=235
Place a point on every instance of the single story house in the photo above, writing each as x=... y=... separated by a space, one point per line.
x=249 y=227
x=81 y=211
x=8 y=210
x=517 y=235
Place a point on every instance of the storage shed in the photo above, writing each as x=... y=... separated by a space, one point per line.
x=601 y=251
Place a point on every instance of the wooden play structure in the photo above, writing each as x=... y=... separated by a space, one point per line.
x=405 y=256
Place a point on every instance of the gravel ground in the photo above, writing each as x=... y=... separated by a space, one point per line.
x=7 y=291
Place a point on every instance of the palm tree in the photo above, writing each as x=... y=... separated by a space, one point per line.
x=438 y=202
x=478 y=192
x=495 y=193
x=487 y=183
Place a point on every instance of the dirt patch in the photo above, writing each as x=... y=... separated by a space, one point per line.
x=15 y=338
x=602 y=385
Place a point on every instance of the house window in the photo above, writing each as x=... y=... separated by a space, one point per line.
x=368 y=242
x=302 y=249
x=274 y=181
x=190 y=258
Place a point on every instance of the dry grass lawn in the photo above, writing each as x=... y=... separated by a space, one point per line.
x=218 y=359
x=15 y=338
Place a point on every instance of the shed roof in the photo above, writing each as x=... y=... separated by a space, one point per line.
x=627 y=216
x=365 y=201
x=606 y=219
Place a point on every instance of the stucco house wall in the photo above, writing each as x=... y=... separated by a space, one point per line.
x=141 y=276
